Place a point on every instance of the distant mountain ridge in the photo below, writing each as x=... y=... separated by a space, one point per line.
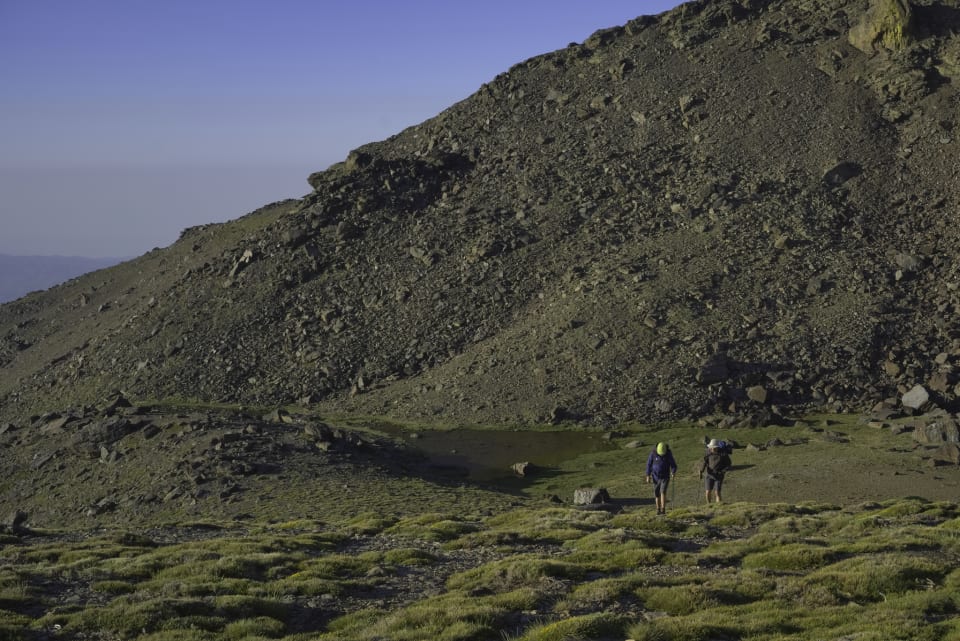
x=20 y=275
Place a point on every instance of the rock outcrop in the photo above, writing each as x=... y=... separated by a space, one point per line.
x=888 y=24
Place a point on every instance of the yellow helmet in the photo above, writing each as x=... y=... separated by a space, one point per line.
x=661 y=448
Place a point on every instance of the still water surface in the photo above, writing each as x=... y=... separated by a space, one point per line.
x=487 y=455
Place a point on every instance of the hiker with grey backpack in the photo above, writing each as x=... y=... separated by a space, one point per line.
x=715 y=465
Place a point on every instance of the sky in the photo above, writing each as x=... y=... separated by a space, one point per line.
x=123 y=122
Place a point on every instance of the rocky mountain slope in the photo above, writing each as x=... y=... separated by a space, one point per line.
x=736 y=206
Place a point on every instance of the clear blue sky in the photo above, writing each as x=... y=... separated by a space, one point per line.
x=123 y=122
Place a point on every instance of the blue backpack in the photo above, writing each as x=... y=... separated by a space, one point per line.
x=660 y=467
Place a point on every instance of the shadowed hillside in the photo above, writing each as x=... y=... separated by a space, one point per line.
x=737 y=207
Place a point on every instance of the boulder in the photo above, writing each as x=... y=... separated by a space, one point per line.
x=887 y=24
x=590 y=496
x=116 y=403
x=884 y=411
x=949 y=452
x=40 y=460
x=715 y=370
x=103 y=505
x=757 y=393
x=245 y=259
x=522 y=469
x=14 y=522
x=916 y=398
x=891 y=369
x=935 y=430
x=940 y=382
x=320 y=431
x=278 y=415
x=906 y=263
x=108 y=431
x=837 y=175
x=56 y=425
x=560 y=414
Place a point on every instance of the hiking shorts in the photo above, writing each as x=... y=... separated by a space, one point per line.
x=713 y=484
x=660 y=487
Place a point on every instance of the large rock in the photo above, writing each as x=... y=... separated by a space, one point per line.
x=118 y=402
x=949 y=452
x=522 y=469
x=590 y=496
x=715 y=370
x=107 y=432
x=887 y=24
x=935 y=430
x=940 y=382
x=757 y=393
x=916 y=398
x=14 y=523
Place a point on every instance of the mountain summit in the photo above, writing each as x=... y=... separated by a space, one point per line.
x=738 y=206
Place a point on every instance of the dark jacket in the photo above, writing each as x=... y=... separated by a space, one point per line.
x=661 y=467
x=715 y=465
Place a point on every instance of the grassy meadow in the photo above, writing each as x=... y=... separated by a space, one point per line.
x=788 y=557
x=736 y=571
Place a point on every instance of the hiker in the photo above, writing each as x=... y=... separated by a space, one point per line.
x=660 y=466
x=715 y=464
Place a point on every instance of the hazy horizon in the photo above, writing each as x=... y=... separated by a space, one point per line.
x=20 y=275
x=126 y=123
x=198 y=196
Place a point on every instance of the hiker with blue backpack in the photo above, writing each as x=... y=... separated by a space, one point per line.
x=660 y=467
x=715 y=465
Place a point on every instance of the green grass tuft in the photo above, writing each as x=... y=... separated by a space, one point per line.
x=590 y=626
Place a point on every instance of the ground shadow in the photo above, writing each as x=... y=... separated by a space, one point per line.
x=937 y=20
x=633 y=502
